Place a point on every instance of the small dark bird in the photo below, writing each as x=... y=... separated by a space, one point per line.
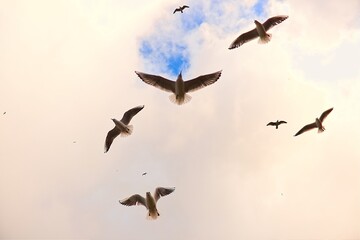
x=180 y=9
x=74 y=141
x=259 y=31
x=317 y=124
x=179 y=88
x=144 y=174
x=149 y=201
x=121 y=127
x=4 y=113
x=276 y=124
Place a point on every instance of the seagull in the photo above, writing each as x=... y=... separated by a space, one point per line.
x=179 y=87
x=149 y=202
x=259 y=31
x=121 y=127
x=276 y=124
x=317 y=124
x=4 y=113
x=144 y=173
x=180 y=9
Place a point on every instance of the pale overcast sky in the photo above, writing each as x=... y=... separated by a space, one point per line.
x=67 y=68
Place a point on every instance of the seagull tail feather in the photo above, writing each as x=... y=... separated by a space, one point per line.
x=266 y=39
x=127 y=132
x=320 y=130
x=152 y=215
x=179 y=100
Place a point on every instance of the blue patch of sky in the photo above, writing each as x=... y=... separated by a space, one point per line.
x=170 y=57
x=193 y=20
x=259 y=7
x=145 y=48
x=177 y=63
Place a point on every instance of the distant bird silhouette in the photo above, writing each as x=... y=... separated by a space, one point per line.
x=149 y=202
x=259 y=31
x=121 y=127
x=317 y=124
x=179 y=87
x=4 y=113
x=144 y=173
x=276 y=124
x=180 y=9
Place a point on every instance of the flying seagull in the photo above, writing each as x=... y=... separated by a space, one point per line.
x=121 y=127
x=276 y=124
x=144 y=173
x=149 y=202
x=180 y=9
x=4 y=113
x=317 y=124
x=179 y=87
x=259 y=31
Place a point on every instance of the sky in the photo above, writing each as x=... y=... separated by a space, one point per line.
x=67 y=68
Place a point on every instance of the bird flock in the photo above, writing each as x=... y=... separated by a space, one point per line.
x=179 y=90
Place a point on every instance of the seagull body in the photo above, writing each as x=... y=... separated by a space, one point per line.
x=260 y=30
x=276 y=124
x=179 y=88
x=149 y=202
x=121 y=127
x=180 y=9
x=317 y=124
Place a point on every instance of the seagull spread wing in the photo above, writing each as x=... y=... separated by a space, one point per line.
x=185 y=6
x=324 y=114
x=176 y=10
x=135 y=199
x=244 y=38
x=282 y=122
x=271 y=22
x=128 y=115
x=112 y=134
x=157 y=81
x=201 y=81
x=160 y=192
x=306 y=128
x=271 y=124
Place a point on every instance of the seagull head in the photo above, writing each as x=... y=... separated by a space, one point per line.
x=180 y=75
x=257 y=23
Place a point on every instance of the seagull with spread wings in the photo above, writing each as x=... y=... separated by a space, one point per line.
x=121 y=127
x=259 y=31
x=180 y=9
x=179 y=88
x=149 y=202
x=317 y=124
x=276 y=124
